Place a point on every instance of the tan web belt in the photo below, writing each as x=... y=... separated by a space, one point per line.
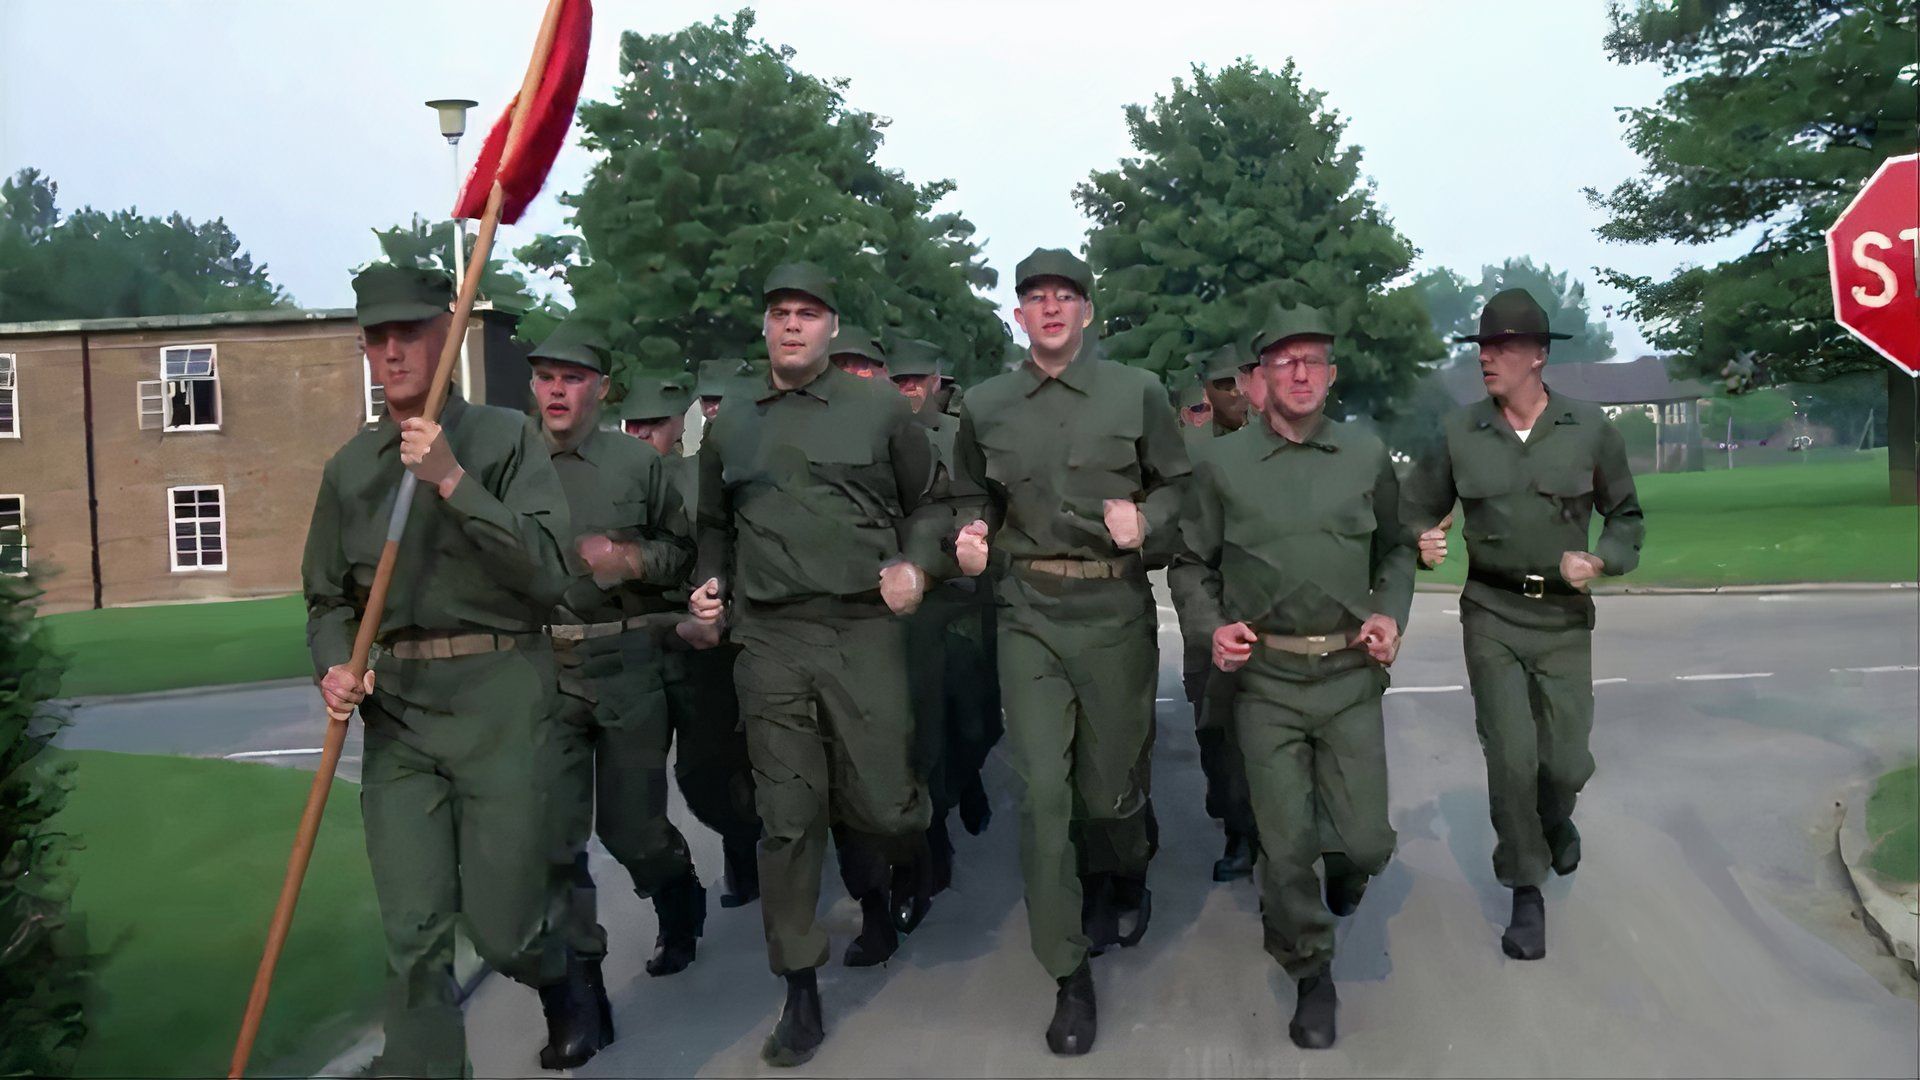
x=1305 y=645
x=445 y=646
x=589 y=631
x=1086 y=569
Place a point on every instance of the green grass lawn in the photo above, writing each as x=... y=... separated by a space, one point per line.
x=1826 y=520
x=133 y=650
x=1893 y=825
x=182 y=865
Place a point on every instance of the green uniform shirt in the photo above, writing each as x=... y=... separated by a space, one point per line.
x=807 y=493
x=487 y=559
x=1196 y=635
x=683 y=472
x=1528 y=502
x=617 y=486
x=1295 y=538
x=942 y=429
x=1044 y=454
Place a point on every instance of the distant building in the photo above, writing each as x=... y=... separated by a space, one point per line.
x=176 y=458
x=1642 y=385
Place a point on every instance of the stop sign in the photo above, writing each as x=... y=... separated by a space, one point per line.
x=1872 y=252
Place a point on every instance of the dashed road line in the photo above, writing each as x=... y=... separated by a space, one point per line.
x=244 y=754
x=1608 y=682
x=1423 y=689
x=1724 y=677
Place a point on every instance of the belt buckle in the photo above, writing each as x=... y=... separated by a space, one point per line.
x=1533 y=587
x=1318 y=639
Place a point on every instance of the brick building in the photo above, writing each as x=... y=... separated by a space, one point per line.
x=175 y=458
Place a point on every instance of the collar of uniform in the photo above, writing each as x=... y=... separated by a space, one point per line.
x=1488 y=414
x=1075 y=376
x=1325 y=436
x=588 y=447
x=820 y=389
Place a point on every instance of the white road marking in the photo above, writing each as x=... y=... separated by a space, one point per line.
x=1876 y=670
x=1423 y=689
x=1606 y=682
x=1720 y=678
x=1449 y=611
x=273 y=753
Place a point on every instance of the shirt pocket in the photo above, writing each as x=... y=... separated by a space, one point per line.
x=1569 y=489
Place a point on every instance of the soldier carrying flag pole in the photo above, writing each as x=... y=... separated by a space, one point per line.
x=460 y=645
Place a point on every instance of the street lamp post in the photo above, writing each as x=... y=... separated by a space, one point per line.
x=453 y=124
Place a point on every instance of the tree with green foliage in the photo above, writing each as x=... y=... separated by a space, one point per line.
x=1779 y=112
x=43 y=954
x=90 y=264
x=717 y=160
x=1244 y=194
x=1454 y=305
x=426 y=243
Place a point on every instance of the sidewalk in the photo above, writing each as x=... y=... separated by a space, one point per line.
x=1891 y=910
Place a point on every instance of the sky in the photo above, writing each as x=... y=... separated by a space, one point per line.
x=303 y=124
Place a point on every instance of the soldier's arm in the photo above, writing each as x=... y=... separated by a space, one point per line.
x=1625 y=526
x=326 y=580
x=973 y=497
x=1163 y=470
x=1428 y=493
x=1194 y=577
x=666 y=548
x=713 y=522
x=1395 y=550
x=517 y=529
x=926 y=496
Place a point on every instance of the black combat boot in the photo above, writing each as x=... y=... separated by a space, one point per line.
x=1133 y=907
x=681 y=906
x=579 y=1020
x=976 y=810
x=742 y=878
x=1564 y=841
x=1312 y=1024
x=1075 y=1018
x=1237 y=861
x=1526 y=936
x=1098 y=919
x=878 y=936
x=1346 y=884
x=801 y=1029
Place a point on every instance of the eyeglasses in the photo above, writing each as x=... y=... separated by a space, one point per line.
x=1285 y=365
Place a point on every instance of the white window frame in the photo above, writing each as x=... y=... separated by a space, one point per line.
x=213 y=375
x=10 y=390
x=372 y=394
x=173 y=531
x=21 y=501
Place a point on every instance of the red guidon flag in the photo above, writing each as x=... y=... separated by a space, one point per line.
x=521 y=173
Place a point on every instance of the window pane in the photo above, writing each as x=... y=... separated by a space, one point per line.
x=209 y=496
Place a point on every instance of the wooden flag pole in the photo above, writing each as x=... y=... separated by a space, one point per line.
x=383 y=574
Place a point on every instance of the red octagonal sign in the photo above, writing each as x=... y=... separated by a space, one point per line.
x=1873 y=257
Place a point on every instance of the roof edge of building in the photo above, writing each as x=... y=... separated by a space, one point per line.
x=175 y=322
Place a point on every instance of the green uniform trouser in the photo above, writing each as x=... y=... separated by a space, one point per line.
x=1315 y=745
x=710 y=758
x=1533 y=707
x=956 y=704
x=455 y=796
x=1211 y=692
x=1078 y=667
x=612 y=732
x=823 y=689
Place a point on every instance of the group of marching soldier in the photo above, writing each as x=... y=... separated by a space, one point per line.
x=837 y=606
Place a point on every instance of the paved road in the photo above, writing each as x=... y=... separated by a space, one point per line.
x=1710 y=930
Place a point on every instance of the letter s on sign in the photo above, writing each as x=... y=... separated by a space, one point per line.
x=1888 y=283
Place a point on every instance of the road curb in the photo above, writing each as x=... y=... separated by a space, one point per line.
x=1724 y=590
x=1891 y=912
x=469 y=971
x=180 y=692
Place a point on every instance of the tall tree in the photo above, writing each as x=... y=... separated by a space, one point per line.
x=1780 y=110
x=718 y=159
x=1454 y=305
x=426 y=243
x=1245 y=194
x=91 y=264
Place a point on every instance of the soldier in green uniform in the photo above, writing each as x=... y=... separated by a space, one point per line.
x=857 y=353
x=456 y=774
x=1078 y=461
x=1190 y=402
x=632 y=543
x=819 y=523
x=956 y=696
x=1296 y=556
x=1530 y=467
x=710 y=761
x=1209 y=690
x=713 y=379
